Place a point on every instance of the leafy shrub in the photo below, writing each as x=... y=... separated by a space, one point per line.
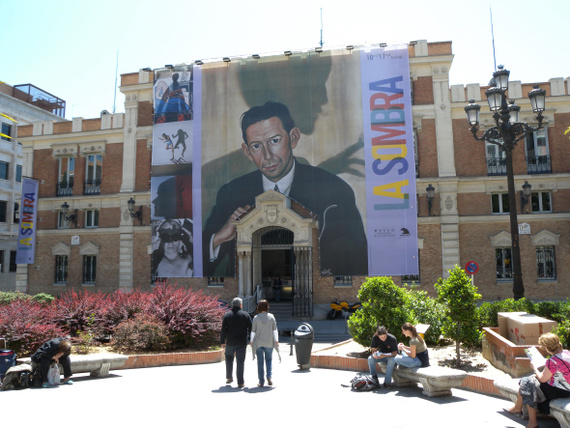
x=459 y=296
x=563 y=331
x=141 y=333
x=488 y=311
x=193 y=318
x=43 y=298
x=383 y=303
x=26 y=326
x=7 y=297
x=426 y=310
x=558 y=311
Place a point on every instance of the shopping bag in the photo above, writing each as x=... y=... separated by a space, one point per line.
x=54 y=375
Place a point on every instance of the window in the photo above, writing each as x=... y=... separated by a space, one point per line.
x=504 y=265
x=62 y=223
x=540 y=202
x=66 y=175
x=93 y=174
x=499 y=203
x=545 y=263
x=89 y=269
x=16 y=212
x=4 y=168
x=495 y=159
x=215 y=281
x=60 y=269
x=1 y=261
x=537 y=152
x=19 y=173
x=3 y=209
x=6 y=130
x=343 y=281
x=13 y=265
x=92 y=218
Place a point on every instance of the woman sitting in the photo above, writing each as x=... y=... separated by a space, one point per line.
x=415 y=355
x=537 y=390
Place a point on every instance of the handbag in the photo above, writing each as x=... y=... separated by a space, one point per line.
x=54 y=375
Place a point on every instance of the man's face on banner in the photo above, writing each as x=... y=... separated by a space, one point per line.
x=270 y=147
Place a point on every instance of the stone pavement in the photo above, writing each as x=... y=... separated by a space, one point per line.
x=196 y=395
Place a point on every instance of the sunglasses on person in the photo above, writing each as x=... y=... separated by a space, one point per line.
x=169 y=235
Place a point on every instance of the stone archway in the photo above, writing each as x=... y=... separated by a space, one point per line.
x=272 y=210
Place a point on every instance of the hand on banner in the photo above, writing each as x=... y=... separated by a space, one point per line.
x=228 y=231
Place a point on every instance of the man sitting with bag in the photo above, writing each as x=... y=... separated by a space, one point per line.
x=54 y=351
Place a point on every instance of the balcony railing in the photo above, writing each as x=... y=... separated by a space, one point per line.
x=538 y=165
x=496 y=166
x=92 y=187
x=65 y=188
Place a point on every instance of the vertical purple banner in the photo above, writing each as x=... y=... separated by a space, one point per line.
x=389 y=160
x=197 y=172
x=25 y=249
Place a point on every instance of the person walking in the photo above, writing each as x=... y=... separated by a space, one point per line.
x=264 y=337
x=234 y=336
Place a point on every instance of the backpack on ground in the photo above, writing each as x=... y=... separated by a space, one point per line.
x=363 y=383
x=17 y=377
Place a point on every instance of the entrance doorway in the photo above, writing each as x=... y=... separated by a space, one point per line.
x=277 y=262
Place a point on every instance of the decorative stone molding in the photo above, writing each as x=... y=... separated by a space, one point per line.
x=64 y=150
x=420 y=243
x=89 y=249
x=448 y=203
x=93 y=148
x=61 y=249
x=501 y=239
x=545 y=237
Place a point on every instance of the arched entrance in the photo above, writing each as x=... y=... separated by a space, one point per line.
x=275 y=237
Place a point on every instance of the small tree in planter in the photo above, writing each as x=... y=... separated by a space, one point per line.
x=459 y=296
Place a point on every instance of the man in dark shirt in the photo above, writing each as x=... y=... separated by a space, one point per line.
x=236 y=328
x=384 y=348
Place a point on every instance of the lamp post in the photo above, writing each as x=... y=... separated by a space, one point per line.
x=134 y=214
x=507 y=132
x=430 y=192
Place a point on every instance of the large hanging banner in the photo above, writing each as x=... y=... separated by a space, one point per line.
x=307 y=125
x=390 y=166
x=25 y=250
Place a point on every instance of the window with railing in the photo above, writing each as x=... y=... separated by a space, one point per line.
x=66 y=175
x=545 y=263
x=62 y=221
x=92 y=218
x=4 y=170
x=538 y=153
x=215 y=281
x=343 y=281
x=61 y=269
x=6 y=131
x=495 y=159
x=504 y=266
x=89 y=269
x=93 y=175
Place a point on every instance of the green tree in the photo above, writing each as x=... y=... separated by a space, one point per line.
x=383 y=303
x=460 y=296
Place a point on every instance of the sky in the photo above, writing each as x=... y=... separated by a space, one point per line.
x=75 y=49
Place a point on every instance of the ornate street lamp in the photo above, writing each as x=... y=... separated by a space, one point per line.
x=135 y=214
x=507 y=132
x=430 y=192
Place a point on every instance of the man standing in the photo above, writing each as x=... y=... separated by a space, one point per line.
x=270 y=135
x=236 y=328
x=384 y=348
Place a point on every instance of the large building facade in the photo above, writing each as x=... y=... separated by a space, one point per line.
x=90 y=238
x=21 y=105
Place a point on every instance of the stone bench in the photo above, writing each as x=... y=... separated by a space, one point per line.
x=436 y=381
x=97 y=365
x=559 y=407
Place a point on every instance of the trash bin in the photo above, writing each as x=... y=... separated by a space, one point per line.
x=304 y=336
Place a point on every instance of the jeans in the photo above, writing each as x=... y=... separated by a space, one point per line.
x=239 y=352
x=407 y=361
x=277 y=295
x=266 y=354
x=390 y=364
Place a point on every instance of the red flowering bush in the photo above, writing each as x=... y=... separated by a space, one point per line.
x=78 y=312
x=26 y=326
x=122 y=306
x=141 y=333
x=193 y=318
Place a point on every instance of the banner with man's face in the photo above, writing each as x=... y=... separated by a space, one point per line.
x=330 y=130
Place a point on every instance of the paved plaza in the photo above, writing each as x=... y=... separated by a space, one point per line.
x=196 y=395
